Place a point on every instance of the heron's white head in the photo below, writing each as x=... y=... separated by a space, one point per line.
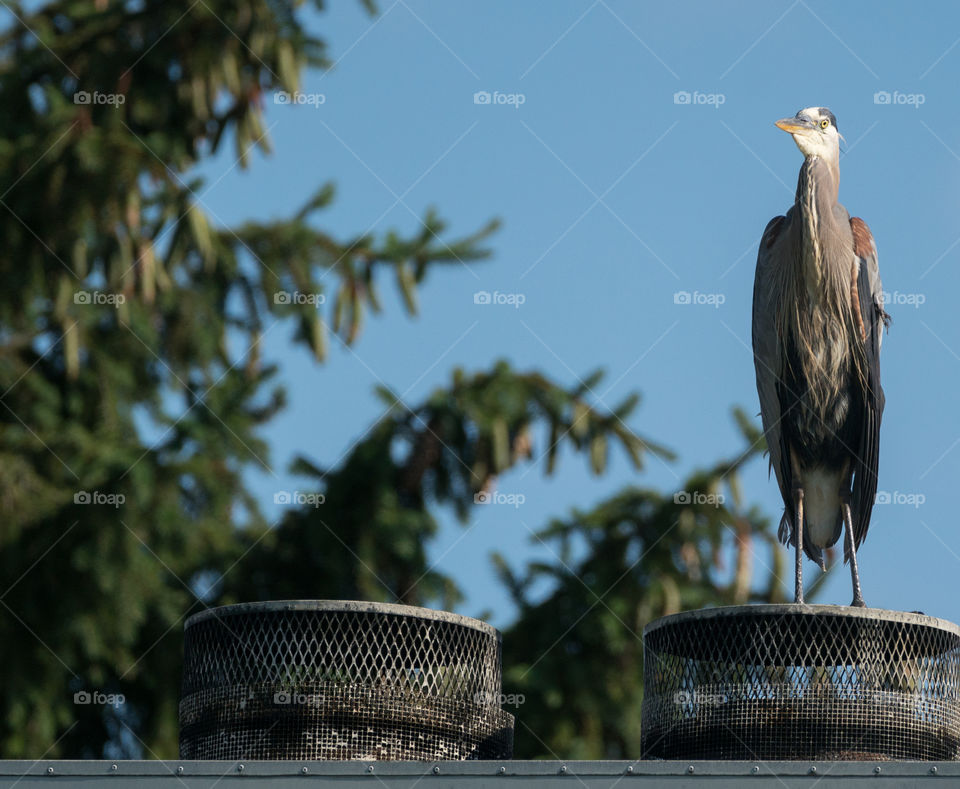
x=814 y=130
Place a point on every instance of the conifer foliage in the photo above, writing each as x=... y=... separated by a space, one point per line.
x=134 y=396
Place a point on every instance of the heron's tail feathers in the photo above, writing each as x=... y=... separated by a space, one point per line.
x=785 y=532
x=787 y=536
x=816 y=554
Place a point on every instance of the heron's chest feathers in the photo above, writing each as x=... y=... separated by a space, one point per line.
x=824 y=361
x=817 y=316
x=821 y=358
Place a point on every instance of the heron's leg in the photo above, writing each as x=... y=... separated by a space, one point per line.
x=798 y=533
x=851 y=550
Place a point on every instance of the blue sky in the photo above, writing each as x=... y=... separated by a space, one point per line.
x=615 y=196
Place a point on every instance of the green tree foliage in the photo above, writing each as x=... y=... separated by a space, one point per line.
x=133 y=393
x=133 y=397
x=368 y=538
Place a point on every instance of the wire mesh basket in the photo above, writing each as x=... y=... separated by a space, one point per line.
x=314 y=679
x=804 y=682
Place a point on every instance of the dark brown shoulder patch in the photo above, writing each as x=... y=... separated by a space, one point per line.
x=772 y=231
x=862 y=238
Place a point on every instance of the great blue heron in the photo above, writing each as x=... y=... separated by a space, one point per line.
x=818 y=318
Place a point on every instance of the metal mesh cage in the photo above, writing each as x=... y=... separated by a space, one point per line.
x=784 y=682
x=341 y=680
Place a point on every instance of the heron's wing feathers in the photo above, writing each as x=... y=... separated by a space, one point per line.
x=768 y=362
x=869 y=292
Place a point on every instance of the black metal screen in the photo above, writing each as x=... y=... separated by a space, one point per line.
x=784 y=682
x=312 y=680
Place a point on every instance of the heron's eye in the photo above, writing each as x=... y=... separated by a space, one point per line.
x=824 y=123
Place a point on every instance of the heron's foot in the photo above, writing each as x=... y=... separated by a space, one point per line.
x=851 y=552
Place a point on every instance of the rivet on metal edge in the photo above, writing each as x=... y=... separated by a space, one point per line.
x=690 y=769
x=502 y=770
x=877 y=769
x=180 y=770
x=304 y=770
x=436 y=769
x=113 y=767
x=755 y=769
x=629 y=768
x=563 y=768
x=370 y=768
x=49 y=771
x=813 y=770
x=933 y=770
x=239 y=768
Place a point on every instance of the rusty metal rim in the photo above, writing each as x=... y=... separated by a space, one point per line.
x=793 y=609
x=342 y=606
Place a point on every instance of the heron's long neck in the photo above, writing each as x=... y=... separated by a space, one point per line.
x=817 y=190
x=820 y=316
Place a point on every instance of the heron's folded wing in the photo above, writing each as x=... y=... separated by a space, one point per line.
x=870 y=295
x=767 y=357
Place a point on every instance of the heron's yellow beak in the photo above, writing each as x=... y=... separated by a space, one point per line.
x=794 y=125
